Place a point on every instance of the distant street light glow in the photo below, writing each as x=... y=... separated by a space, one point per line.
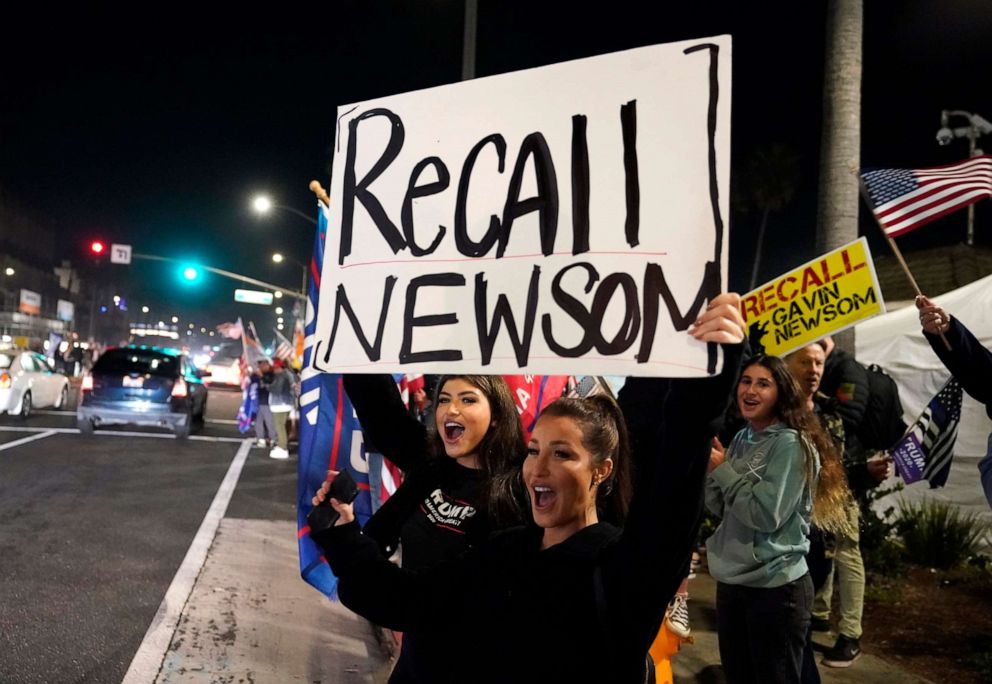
x=9 y=271
x=203 y=330
x=279 y=311
x=279 y=326
x=117 y=299
x=144 y=309
x=278 y=295
x=278 y=258
x=175 y=319
x=279 y=320
x=262 y=204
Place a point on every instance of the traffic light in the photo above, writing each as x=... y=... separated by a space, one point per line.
x=97 y=247
x=189 y=272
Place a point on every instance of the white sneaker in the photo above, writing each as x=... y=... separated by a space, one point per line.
x=677 y=616
x=260 y=442
x=279 y=452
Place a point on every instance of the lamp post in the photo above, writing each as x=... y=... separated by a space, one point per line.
x=263 y=205
x=977 y=127
x=278 y=258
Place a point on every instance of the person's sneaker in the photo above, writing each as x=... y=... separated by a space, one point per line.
x=677 y=616
x=844 y=652
x=694 y=563
x=820 y=624
x=279 y=452
x=260 y=443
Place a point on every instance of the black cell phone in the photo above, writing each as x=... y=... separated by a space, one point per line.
x=323 y=516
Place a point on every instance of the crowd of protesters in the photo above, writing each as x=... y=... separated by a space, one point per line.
x=565 y=552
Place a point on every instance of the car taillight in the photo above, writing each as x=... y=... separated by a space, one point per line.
x=4 y=380
x=179 y=389
x=87 y=383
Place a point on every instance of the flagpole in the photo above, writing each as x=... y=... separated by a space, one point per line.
x=319 y=191
x=895 y=248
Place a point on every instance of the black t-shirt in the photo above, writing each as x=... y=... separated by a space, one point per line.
x=436 y=530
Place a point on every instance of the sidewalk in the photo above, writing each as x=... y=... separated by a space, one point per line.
x=250 y=618
x=700 y=661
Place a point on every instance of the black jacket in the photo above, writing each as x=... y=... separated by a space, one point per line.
x=845 y=381
x=968 y=361
x=584 y=610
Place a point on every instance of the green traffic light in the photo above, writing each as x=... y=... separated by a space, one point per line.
x=191 y=273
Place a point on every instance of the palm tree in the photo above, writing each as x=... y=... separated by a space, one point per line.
x=840 y=143
x=771 y=175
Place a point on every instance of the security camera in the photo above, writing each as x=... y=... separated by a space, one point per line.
x=944 y=136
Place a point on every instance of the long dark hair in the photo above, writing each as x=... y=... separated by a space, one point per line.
x=830 y=492
x=501 y=450
x=604 y=435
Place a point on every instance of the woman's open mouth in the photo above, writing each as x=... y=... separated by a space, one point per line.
x=453 y=431
x=543 y=497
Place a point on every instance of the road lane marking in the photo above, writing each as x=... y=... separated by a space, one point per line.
x=52 y=413
x=147 y=662
x=25 y=440
x=122 y=433
x=220 y=421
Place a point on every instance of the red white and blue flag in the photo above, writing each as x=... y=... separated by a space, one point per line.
x=330 y=436
x=925 y=452
x=905 y=199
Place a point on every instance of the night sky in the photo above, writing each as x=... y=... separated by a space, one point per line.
x=156 y=130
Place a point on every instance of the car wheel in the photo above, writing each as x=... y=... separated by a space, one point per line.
x=85 y=426
x=25 y=405
x=181 y=430
x=63 y=401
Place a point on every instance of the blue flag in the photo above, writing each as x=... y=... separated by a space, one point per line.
x=330 y=436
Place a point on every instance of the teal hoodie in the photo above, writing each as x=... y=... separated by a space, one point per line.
x=762 y=496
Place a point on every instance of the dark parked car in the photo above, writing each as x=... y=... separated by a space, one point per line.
x=141 y=385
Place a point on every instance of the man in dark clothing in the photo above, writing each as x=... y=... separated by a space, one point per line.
x=968 y=361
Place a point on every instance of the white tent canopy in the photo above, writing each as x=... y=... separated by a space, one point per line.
x=894 y=342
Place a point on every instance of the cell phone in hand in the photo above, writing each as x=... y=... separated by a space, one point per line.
x=323 y=516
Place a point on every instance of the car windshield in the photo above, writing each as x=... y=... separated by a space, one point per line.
x=137 y=361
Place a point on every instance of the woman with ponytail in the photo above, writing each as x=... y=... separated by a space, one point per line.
x=765 y=486
x=572 y=596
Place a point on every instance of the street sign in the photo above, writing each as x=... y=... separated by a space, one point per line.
x=253 y=297
x=120 y=254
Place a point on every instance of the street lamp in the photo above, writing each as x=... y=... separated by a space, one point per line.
x=262 y=204
x=977 y=127
x=144 y=309
x=175 y=319
x=9 y=271
x=279 y=258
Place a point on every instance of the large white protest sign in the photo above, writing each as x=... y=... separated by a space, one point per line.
x=569 y=219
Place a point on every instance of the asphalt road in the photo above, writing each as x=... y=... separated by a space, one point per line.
x=93 y=530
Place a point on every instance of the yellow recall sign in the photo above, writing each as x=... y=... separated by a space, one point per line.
x=817 y=299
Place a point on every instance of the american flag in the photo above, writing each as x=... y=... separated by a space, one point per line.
x=926 y=450
x=905 y=199
x=284 y=349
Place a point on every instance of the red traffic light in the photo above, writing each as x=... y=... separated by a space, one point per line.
x=97 y=247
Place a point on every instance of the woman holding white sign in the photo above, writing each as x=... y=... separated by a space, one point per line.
x=571 y=597
x=461 y=479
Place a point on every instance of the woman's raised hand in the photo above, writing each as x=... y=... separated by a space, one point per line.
x=346 y=512
x=717 y=455
x=721 y=322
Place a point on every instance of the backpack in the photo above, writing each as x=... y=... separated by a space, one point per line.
x=882 y=425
